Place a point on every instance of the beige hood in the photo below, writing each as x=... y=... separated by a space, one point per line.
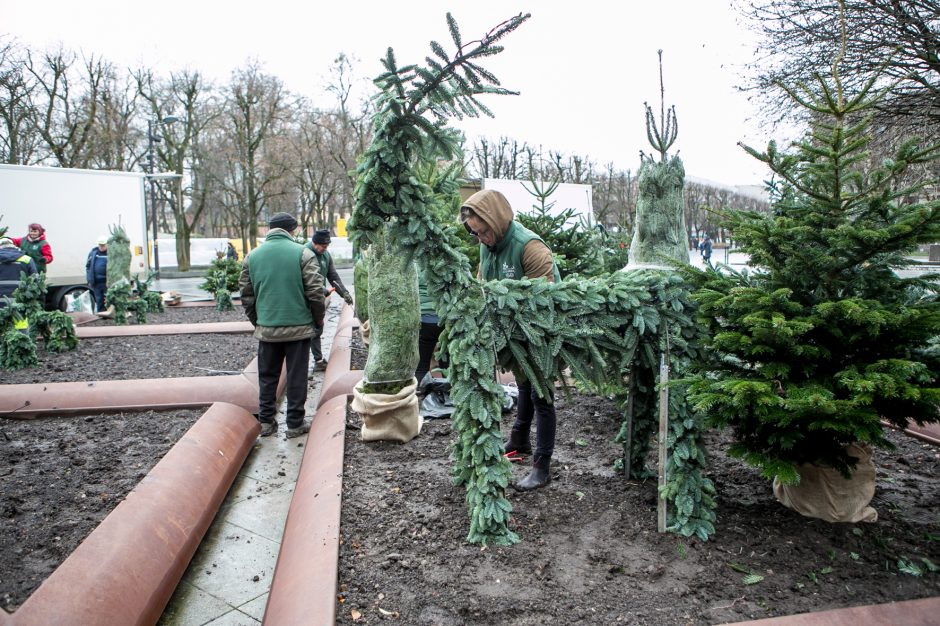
x=493 y=208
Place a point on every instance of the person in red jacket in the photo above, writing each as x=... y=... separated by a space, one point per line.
x=35 y=246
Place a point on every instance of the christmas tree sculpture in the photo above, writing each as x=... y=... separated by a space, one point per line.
x=596 y=328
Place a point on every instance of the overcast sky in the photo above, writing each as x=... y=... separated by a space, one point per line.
x=584 y=67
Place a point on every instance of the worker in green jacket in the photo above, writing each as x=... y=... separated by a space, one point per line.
x=510 y=250
x=319 y=245
x=282 y=292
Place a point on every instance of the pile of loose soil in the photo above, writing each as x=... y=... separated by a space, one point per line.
x=61 y=476
x=589 y=550
x=147 y=356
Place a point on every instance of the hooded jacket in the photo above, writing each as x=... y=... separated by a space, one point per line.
x=518 y=252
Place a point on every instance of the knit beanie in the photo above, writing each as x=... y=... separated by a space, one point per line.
x=321 y=236
x=283 y=220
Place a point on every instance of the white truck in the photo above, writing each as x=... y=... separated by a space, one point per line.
x=75 y=207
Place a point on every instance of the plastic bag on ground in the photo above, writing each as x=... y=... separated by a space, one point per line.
x=81 y=303
x=436 y=403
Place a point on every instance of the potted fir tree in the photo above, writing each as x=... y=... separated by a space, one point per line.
x=824 y=338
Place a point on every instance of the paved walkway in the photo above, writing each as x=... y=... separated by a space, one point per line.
x=228 y=579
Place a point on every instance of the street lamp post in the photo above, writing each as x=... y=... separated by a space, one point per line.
x=169 y=119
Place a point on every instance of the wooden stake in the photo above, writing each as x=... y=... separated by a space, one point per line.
x=663 y=430
x=628 y=441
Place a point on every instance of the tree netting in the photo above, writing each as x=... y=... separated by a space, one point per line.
x=394 y=314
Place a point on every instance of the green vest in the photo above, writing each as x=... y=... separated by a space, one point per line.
x=277 y=280
x=505 y=260
x=33 y=249
x=324 y=261
x=427 y=304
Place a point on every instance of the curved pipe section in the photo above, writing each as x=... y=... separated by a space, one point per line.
x=303 y=589
x=202 y=328
x=338 y=379
x=128 y=567
x=108 y=396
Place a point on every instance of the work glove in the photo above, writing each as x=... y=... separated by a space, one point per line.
x=348 y=298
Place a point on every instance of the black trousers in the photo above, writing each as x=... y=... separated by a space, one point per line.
x=315 y=348
x=531 y=405
x=427 y=341
x=272 y=355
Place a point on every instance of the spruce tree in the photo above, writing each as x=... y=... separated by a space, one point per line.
x=823 y=338
x=577 y=247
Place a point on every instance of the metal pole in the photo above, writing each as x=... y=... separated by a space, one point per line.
x=153 y=198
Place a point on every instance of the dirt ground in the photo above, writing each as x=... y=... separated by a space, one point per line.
x=59 y=477
x=589 y=550
x=147 y=356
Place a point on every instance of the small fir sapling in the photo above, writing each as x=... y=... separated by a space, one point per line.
x=221 y=280
x=576 y=247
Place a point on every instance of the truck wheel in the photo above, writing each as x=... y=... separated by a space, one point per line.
x=68 y=294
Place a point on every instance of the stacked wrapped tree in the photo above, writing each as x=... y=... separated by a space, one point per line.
x=596 y=327
x=660 y=235
x=121 y=297
x=824 y=339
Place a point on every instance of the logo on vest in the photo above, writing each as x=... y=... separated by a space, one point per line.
x=509 y=271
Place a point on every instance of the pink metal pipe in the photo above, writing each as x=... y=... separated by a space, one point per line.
x=127 y=569
x=27 y=401
x=86 y=332
x=303 y=589
x=338 y=379
x=923 y=612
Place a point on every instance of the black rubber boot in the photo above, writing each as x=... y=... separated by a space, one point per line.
x=539 y=477
x=518 y=442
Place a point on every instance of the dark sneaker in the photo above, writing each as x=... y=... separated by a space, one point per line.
x=268 y=428
x=319 y=366
x=303 y=429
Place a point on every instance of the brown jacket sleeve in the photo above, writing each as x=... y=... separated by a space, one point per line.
x=537 y=261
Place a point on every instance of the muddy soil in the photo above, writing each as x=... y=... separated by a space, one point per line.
x=60 y=476
x=589 y=550
x=147 y=356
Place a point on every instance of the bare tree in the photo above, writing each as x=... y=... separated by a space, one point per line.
x=254 y=112
x=507 y=158
x=18 y=139
x=192 y=103
x=65 y=104
x=801 y=37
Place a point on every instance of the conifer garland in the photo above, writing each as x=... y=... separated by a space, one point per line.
x=597 y=327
